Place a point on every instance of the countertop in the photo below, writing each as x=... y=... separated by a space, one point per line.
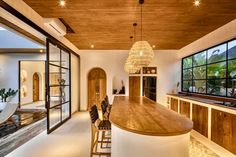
x=202 y=100
x=144 y=116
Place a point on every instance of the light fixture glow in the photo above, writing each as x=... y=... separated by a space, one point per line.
x=141 y=53
x=62 y=3
x=92 y=46
x=41 y=51
x=197 y=3
x=2 y=29
x=153 y=46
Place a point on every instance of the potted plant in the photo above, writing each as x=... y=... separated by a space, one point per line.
x=5 y=96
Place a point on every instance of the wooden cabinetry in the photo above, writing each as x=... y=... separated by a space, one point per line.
x=200 y=119
x=223 y=129
x=185 y=108
x=149 y=87
x=134 y=86
x=174 y=104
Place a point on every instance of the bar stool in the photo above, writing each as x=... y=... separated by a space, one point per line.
x=98 y=126
x=107 y=102
x=105 y=110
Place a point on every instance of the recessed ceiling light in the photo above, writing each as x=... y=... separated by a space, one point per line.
x=197 y=3
x=92 y=46
x=62 y=3
x=153 y=46
x=41 y=51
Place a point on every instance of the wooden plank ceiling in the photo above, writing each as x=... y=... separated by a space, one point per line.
x=107 y=24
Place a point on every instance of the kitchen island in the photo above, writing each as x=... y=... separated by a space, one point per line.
x=141 y=128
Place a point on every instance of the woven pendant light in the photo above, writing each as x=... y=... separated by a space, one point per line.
x=130 y=67
x=141 y=53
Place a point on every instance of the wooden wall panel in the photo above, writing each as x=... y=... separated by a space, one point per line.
x=185 y=108
x=200 y=119
x=223 y=129
x=134 y=86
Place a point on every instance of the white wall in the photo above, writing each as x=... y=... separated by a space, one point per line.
x=32 y=67
x=112 y=61
x=9 y=69
x=75 y=97
x=168 y=69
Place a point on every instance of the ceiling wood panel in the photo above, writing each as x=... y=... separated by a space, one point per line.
x=107 y=24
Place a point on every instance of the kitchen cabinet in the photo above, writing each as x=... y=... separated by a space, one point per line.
x=174 y=104
x=223 y=129
x=200 y=119
x=185 y=108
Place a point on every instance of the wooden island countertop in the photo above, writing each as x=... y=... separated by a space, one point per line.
x=143 y=116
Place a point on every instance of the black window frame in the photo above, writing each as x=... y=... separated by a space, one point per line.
x=227 y=79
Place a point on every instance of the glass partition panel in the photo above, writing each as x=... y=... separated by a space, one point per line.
x=54 y=55
x=58 y=88
x=65 y=110
x=64 y=59
x=54 y=116
x=65 y=74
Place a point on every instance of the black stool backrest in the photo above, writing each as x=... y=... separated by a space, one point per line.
x=94 y=114
x=106 y=99
x=104 y=107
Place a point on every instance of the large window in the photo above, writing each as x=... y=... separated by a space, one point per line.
x=212 y=71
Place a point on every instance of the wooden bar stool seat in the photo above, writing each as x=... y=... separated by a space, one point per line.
x=104 y=125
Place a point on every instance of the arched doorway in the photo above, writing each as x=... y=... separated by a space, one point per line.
x=35 y=87
x=96 y=87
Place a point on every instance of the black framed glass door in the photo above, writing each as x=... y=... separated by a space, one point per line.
x=58 y=92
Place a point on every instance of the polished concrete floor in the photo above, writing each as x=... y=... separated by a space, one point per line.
x=73 y=140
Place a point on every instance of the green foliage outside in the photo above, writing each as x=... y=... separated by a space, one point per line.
x=216 y=72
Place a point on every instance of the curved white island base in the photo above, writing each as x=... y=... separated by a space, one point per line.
x=129 y=144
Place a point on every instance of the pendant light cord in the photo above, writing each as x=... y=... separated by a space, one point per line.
x=141 y=22
x=134 y=24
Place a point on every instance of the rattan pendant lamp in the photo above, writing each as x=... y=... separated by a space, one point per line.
x=141 y=53
x=129 y=64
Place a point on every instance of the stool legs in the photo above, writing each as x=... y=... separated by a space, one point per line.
x=95 y=141
x=105 y=139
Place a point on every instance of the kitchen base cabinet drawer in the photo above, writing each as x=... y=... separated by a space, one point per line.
x=200 y=119
x=223 y=129
x=185 y=108
x=174 y=104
